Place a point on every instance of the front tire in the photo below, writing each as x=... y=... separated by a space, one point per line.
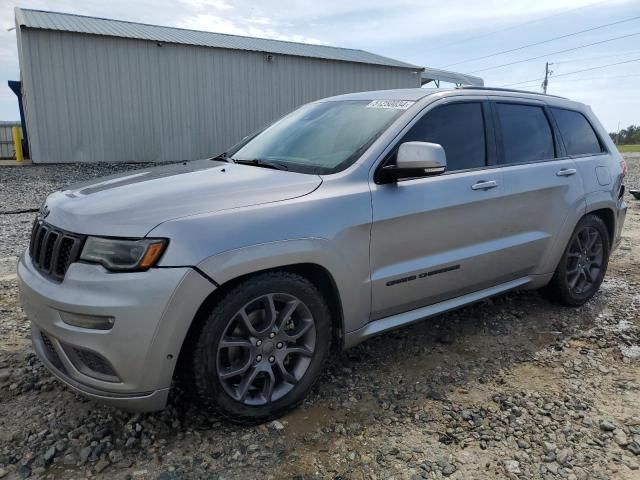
x=583 y=264
x=262 y=347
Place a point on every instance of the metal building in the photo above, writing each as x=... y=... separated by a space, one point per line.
x=98 y=90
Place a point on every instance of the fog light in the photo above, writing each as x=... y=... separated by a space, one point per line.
x=93 y=322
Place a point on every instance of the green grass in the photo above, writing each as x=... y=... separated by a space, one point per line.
x=628 y=148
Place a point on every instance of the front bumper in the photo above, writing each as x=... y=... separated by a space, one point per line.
x=131 y=365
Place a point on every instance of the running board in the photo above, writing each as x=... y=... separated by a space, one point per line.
x=406 y=318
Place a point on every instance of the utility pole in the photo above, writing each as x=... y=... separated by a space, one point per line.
x=547 y=72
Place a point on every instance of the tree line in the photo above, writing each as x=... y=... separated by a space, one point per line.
x=627 y=136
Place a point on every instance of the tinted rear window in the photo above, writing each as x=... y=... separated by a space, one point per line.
x=459 y=128
x=526 y=134
x=577 y=134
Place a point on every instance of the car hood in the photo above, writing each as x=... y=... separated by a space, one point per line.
x=131 y=204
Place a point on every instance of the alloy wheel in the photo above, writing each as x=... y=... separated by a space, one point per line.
x=585 y=260
x=266 y=349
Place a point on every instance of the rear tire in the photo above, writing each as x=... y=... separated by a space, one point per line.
x=583 y=264
x=261 y=348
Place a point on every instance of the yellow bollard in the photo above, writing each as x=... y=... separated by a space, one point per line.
x=18 y=143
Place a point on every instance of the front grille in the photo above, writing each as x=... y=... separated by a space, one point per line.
x=52 y=250
x=51 y=352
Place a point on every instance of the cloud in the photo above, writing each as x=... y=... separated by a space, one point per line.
x=252 y=27
x=206 y=4
x=423 y=32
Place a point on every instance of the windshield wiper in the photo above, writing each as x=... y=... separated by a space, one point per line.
x=258 y=162
x=223 y=158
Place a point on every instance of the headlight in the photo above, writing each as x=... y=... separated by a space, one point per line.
x=123 y=255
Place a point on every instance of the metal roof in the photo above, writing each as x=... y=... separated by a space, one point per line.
x=431 y=74
x=65 y=22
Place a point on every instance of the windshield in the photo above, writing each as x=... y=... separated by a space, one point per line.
x=320 y=137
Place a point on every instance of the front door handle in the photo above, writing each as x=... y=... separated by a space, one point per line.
x=566 y=172
x=484 y=185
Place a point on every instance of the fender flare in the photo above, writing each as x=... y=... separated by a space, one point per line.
x=354 y=291
x=592 y=202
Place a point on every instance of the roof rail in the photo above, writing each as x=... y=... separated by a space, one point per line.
x=497 y=89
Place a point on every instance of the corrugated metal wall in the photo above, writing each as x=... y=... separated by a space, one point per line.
x=90 y=98
x=7 y=149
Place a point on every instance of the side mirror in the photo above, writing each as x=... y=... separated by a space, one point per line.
x=416 y=159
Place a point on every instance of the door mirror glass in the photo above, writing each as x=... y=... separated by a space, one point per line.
x=417 y=159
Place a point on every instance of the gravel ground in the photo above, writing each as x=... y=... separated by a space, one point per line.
x=513 y=387
x=25 y=188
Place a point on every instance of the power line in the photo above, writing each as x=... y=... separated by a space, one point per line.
x=493 y=32
x=556 y=52
x=543 y=41
x=581 y=79
x=597 y=57
x=604 y=77
x=574 y=72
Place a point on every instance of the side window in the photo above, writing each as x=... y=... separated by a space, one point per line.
x=459 y=128
x=577 y=133
x=526 y=133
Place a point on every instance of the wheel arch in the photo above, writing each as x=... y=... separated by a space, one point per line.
x=603 y=205
x=608 y=216
x=598 y=204
x=560 y=289
x=317 y=274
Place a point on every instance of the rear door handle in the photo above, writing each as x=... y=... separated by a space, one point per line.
x=484 y=185
x=566 y=172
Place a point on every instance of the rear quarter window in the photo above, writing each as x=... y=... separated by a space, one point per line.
x=577 y=133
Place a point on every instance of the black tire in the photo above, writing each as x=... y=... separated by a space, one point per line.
x=559 y=290
x=208 y=354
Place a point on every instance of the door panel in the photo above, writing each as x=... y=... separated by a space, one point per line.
x=538 y=200
x=436 y=238
x=439 y=237
x=541 y=190
x=539 y=197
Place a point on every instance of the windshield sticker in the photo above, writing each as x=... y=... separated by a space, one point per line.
x=394 y=104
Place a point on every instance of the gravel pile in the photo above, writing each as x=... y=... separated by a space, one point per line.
x=632 y=180
x=26 y=187
x=513 y=388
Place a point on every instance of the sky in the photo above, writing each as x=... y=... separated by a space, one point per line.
x=449 y=34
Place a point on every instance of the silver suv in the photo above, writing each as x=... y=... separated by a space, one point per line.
x=349 y=217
